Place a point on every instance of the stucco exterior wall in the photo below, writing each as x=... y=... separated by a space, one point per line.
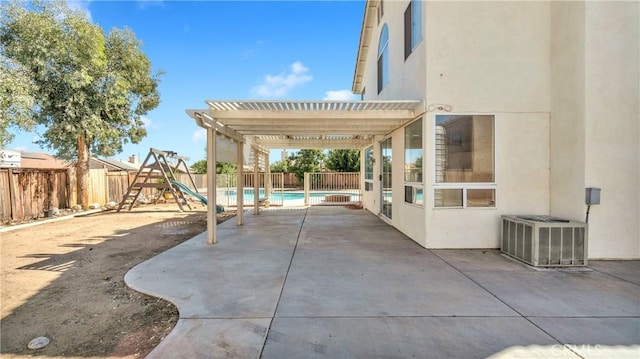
x=562 y=79
x=595 y=130
x=488 y=56
x=612 y=126
x=567 y=110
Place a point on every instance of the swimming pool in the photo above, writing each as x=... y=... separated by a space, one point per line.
x=288 y=196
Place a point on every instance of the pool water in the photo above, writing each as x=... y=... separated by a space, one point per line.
x=280 y=196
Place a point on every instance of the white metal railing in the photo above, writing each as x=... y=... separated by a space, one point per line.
x=331 y=188
x=227 y=189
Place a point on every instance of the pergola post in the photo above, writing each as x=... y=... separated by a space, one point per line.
x=240 y=184
x=267 y=179
x=256 y=181
x=211 y=186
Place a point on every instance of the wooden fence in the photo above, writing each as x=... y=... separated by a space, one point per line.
x=26 y=194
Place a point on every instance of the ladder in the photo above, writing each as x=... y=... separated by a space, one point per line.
x=156 y=172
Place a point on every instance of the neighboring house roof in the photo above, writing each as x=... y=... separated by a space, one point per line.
x=40 y=160
x=112 y=165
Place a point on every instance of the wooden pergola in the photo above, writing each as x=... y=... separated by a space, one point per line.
x=292 y=124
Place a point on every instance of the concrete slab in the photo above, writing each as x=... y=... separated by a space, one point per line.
x=354 y=238
x=625 y=270
x=213 y=338
x=342 y=218
x=474 y=260
x=592 y=331
x=563 y=294
x=357 y=289
x=371 y=282
x=205 y=281
x=251 y=238
x=413 y=337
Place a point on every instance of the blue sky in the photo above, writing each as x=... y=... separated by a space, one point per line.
x=231 y=50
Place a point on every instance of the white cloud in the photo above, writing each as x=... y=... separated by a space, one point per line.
x=146 y=121
x=80 y=5
x=281 y=84
x=144 y=4
x=199 y=135
x=340 y=95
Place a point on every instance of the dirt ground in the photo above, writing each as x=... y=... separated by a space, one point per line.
x=65 y=280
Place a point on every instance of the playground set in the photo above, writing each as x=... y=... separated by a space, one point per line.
x=157 y=172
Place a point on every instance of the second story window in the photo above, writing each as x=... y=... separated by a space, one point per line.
x=412 y=26
x=380 y=10
x=383 y=58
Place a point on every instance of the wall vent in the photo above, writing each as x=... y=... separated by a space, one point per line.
x=544 y=241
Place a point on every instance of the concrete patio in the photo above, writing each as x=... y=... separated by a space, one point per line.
x=330 y=282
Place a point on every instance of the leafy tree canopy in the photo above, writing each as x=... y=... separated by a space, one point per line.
x=306 y=161
x=89 y=90
x=344 y=160
x=16 y=99
x=200 y=167
x=281 y=166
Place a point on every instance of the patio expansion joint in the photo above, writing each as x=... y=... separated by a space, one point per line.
x=284 y=282
x=391 y=316
x=614 y=276
x=527 y=318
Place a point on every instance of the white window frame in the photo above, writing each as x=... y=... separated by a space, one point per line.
x=464 y=186
x=373 y=162
x=414 y=185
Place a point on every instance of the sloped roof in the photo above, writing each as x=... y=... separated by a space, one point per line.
x=38 y=160
x=112 y=165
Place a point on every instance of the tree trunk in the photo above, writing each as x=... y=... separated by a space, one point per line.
x=82 y=172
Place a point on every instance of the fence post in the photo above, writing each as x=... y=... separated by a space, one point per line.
x=306 y=188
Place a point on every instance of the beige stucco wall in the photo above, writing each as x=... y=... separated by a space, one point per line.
x=562 y=79
x=595 y=129
x=612 y=126
x=488 y=56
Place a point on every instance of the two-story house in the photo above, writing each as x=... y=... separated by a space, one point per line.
x=474 y=110
x=527 y=104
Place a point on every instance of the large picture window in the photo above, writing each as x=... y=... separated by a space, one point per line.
x=413 y=154
x=383 y=58
x=465 y=161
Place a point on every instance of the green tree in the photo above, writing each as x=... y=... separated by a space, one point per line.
x=200 y=167
x=344 y=160
x=306 y=161
x=281 y=166
x=90 y=90
x=16 y=100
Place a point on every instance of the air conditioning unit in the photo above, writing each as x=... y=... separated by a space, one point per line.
x=544 y=241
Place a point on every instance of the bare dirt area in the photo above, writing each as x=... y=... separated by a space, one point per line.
x=65 y=280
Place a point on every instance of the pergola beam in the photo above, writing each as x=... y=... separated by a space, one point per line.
x=312 y=115
x=315 y=144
